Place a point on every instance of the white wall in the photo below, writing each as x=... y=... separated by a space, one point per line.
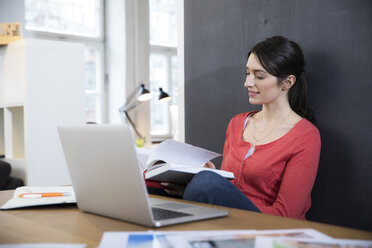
x=181 y=70
x=137 y=47
x=127 y=52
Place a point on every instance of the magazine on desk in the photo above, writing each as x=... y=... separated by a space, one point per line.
x=211 y=238
x=177 y=162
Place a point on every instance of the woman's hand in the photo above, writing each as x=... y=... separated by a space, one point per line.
x=179 y=189
x=174 y=188
x=210 y=165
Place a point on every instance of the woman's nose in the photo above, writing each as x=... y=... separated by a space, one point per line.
x=248 y=81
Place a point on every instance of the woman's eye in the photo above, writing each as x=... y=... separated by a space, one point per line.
x=260 y=77
x=247 y=73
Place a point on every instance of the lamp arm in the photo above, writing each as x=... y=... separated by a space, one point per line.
x=129 y=107
x=132 y=124
x=131 y=96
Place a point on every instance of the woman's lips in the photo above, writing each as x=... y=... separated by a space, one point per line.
x=253 y=93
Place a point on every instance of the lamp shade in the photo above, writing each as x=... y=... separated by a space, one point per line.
x=144 y=94
x=163 y=96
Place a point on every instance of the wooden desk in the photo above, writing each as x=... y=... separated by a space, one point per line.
x=66 y=224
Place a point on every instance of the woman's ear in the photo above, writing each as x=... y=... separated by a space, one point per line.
x=288 y=82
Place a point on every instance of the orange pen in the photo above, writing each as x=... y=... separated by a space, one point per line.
x=38 y=195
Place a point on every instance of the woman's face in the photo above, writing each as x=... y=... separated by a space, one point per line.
x=263 y=88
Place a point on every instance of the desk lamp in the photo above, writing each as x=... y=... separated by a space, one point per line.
x=163 y=96
x=143 y=95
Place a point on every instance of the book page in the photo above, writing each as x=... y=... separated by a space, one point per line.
x=172 y=151
x=143 y=155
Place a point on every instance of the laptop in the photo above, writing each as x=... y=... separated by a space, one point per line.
x=107 y=179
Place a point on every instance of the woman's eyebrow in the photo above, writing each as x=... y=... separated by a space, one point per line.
x=257 y=70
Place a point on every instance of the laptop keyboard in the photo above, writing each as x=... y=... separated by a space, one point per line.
x=163 y=214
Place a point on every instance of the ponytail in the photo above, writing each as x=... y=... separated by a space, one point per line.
x=297 y=97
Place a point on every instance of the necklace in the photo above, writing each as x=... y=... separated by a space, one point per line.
x=261 y=134
x=265 y=128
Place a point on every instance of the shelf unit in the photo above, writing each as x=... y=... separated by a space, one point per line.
x=41 y=87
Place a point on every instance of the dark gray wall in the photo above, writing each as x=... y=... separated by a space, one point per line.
x=336 y=37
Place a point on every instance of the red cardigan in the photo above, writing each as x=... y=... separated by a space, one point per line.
x=279 y=176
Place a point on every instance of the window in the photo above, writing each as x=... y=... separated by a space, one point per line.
x=76 y=21
x=163 y=63
x=71 y=17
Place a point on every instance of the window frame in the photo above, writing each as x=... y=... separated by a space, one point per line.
x=167 y=52
x=100 y=82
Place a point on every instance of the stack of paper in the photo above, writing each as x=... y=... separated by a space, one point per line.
x=20 y=202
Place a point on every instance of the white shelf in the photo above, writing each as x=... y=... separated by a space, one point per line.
x=5 y=40
x=2 y=51
x=14 y=124
x=42 y=86
x=15 y=104
x=2 y=140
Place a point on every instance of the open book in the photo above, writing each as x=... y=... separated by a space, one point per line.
x=177 y=162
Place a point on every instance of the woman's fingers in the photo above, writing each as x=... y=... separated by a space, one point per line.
x=210 y=165
x=164 y=184
x=174 y=192
x=173 y=188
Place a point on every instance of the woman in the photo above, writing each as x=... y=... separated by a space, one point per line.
x=273 y=153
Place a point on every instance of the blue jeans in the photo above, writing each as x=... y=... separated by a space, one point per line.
x=209 y=187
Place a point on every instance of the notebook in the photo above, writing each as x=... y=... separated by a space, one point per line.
x=107 y=179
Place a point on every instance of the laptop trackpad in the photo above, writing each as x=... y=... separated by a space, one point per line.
x=172 y=205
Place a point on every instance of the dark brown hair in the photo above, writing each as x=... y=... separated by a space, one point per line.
x=282 y=57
